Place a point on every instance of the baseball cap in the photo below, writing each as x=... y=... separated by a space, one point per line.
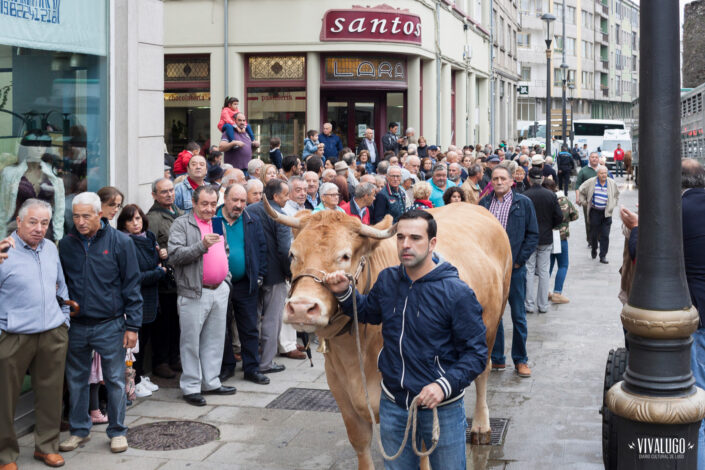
x=433 y=147
x=493 y=159
x=537 y=160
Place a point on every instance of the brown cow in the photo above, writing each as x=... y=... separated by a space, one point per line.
x=468 y=236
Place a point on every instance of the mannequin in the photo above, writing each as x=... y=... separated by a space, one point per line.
x=31 y=178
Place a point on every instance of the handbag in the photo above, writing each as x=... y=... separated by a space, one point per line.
x=556 y=250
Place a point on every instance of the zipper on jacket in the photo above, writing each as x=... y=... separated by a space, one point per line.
x=401 y=337
x=438 y=362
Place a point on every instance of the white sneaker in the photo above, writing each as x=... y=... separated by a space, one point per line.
x=142 y=391
x=151 y=386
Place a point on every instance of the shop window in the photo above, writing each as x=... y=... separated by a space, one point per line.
x=53 y=130
x=277 y=68
x=395 y=111
x=278 y=112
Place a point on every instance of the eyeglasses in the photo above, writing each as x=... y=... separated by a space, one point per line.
x=393 y=176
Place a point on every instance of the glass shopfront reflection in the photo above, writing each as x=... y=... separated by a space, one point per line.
x=53 y=130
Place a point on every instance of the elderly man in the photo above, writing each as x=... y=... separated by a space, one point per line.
x=492 y=163
x=410 y=136
x=332 y=143
x=600 y=195
x=391 y=199
x=516 y=214
x=200 y=259
x=328 y=175
x=247 y=263
x=196 y=177
x=585 y=173
x=471 y=186
x=297 y=196
x=433 y=152
x=359 y=205
x=103 y=276
x=274 y=288
x=330 y=197
x=254 y=190
x=455 y=172
x=368 y=143
x=549 y=216
x=537 y=161
x=238 y=152
x=312 y=199
x=413 y=164
x=34 y=333
x=439 y=184
x=165 y=354
x=254 y=168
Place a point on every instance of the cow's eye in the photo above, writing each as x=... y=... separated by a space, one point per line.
x=345 y=258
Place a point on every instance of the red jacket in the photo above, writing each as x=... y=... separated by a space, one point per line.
x=618 y=155
x=348 y=207
x=181 y=163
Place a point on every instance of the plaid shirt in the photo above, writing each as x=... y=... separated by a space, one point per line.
x=500 y=208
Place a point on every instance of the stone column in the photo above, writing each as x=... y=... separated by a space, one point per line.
x=461 y=108
x=413 y=98
x=313 y=90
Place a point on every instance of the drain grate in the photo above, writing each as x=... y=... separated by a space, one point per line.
x=171 y=435
x=305 y=399
x=499 y=430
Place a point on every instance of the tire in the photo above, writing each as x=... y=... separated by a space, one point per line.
x=616 y=365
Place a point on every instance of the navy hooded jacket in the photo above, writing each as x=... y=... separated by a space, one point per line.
x=432 y=330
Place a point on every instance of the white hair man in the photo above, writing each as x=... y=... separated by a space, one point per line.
x=103 y=276
x=254 y=189
x=254 y=168
x=37 y=329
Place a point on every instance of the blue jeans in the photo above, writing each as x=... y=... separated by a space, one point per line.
x=450 y=452
x=562 y=259
x=697 y=364
x=619 y=165
x=106 y=339
x=517 y=296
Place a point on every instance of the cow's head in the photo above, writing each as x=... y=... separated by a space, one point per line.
x=324 y=242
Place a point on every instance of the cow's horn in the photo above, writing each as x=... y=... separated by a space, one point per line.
x=287 y=220
x=371 y=232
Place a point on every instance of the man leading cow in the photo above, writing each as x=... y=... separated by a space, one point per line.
x=434 y=348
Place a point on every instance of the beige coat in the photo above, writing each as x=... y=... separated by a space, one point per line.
x=472 y=194
x=587 y=189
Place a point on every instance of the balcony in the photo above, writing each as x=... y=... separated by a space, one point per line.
x=605 y=65
x=605 y=90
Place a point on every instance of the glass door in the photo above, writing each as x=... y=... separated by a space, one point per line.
x=337 y=115
x=363 y=116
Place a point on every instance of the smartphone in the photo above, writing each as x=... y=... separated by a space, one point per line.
x=217 y=225
x=6 y=249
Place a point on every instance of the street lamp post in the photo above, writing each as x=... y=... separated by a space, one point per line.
x=571 y=87
x=549 y=19
x=657 y=403
x=564 y=76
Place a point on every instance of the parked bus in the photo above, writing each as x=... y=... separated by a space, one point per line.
x=592 y=131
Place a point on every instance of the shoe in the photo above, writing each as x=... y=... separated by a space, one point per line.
x=274 y=368
x=195 y=399
x=73 y=442
x=529 y=311
x=118 y=444
x=141 y=391
x=543 y=311
x=559 y=298
x=226 y=374
x=499 y=367
x=257 y=377
x=238 y=357
x=589 y=245
x=550 y=296
x=222 y=390
x=164 y=371
x=151 y=386
x=8 y=466
x=51 y=460
x=523 y=370
x=594 y=254
x=176 y=366
x=97 y=417
x=295 y=354
x=604 y=261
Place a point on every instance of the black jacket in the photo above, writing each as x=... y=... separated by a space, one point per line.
x=104 y=278
x=565 y=162
x=278 y=238
x=255 y=248
x=150 y=274
x=363 y=146
x=389 y=142
x=548 y=212
x=522 y=229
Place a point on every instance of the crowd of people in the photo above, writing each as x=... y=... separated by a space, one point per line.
x=201 y=277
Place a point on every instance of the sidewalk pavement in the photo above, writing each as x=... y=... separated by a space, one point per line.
x=554 y=419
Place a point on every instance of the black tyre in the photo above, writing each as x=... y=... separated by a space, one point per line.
x=616 y=365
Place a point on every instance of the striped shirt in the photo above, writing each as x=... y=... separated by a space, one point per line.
x=599 y=197
x=500 y=208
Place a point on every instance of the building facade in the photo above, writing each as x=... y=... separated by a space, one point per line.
x=80 y=101
x=421 y=63
x=505 y=67
x=694 y=44
x=601 y=54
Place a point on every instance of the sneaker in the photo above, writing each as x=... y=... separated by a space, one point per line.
x=151 y=386
x=498 y=367
x=142 y=391
x=559 y=298
x=73 y=442
x=523 y=370
x=118 y=444
x=97 y=417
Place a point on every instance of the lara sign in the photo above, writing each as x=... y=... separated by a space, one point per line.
x=382 y=23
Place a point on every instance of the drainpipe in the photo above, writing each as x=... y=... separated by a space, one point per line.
x=492 y=85
x=438 y=72
x=225 y=43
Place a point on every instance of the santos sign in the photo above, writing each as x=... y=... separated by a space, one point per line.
x=384 y=24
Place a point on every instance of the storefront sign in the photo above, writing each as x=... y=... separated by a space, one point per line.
x=523 y=89
x=56 y=25
x=189 y=96
x=367 y=69
x=383 y=23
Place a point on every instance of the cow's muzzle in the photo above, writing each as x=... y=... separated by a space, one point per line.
x=305 y=313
